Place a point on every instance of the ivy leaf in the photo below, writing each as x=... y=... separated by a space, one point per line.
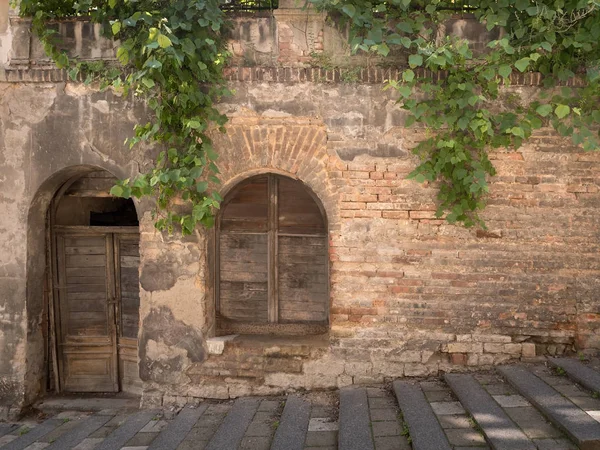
x=117 y=191
x=517 y=131
x=522 y=64
x=405 y=91
x=415 y=61
x=116 y=27
x=504 y=70
x=544 y=110
x=408 y=75
x=349 y=10
x=164 y=41
x=153 y=63
x=406 y=41
x=562 y=111
x=123 y=55
x=148 y=82
x=406 y=27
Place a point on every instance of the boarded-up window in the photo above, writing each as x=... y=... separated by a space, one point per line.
x=272 y=254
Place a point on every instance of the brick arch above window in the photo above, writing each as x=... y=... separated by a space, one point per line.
x=294 y=147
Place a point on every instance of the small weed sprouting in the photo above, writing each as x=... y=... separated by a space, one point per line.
x=275 y=424
x=66 y=419
x=406 y=432
x=24 y=431
x=475 y=425
x=560 y=371
x=595 y=394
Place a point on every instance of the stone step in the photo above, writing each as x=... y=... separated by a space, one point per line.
x=177 y=430
x=499 y=430
x=575 y=422
x=355 y=431
x=425 y=431
x=293 y=425
x=30 y=437
x=126 y=431
x=231 y=431
x=578 y=372
x=73 y=437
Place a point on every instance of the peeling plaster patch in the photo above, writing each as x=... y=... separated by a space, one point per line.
x=160 y=272
x=381 y=151
x=190 y=296
x=15 y=139
x=274 y=113
x=30 y=103
x=77 y=90
x=168 y=347
x=102 y=106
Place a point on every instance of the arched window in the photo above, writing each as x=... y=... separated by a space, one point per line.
x=272 y=256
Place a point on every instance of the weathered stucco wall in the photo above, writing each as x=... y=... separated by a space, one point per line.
x=409 y=295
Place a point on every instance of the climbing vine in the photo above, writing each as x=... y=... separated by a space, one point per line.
x=457 y=95
x=174 y=54
x=171 y=54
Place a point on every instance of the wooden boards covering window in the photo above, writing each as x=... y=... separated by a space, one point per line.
x=272 y=254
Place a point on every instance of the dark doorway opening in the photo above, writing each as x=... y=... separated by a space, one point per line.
x=94 y=301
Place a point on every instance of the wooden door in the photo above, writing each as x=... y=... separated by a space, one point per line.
x=127 y=262
x=272 y=255
x=98 y=304
x=87 y=331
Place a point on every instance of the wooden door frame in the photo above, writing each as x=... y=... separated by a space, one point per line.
x=214 y=245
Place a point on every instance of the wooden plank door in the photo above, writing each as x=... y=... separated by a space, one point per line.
x=86 y=303
x=127 y=262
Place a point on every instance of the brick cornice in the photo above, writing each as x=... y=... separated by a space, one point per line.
x=375 y=75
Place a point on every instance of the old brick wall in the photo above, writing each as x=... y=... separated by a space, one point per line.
x=409 y=293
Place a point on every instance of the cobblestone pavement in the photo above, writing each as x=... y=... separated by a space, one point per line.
x=382 y=417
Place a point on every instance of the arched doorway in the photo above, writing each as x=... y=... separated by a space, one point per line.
x=272 y=259
x=94 y=301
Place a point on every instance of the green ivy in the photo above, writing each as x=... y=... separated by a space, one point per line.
x=173 y=56
x=456 y=95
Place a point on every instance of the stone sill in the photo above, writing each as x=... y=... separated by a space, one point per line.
x=272 y=345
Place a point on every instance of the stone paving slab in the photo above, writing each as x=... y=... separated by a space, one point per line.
x=587 y=377
x=126 y=431
x=33 y=435
x=230 y=433
x=500 y=431
x=293 y=425
x=177 y=430
x=6 y=428
x=354 y=433
x=511 y=401
x=425 y=430
x=73 y=437
x=582 y=428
